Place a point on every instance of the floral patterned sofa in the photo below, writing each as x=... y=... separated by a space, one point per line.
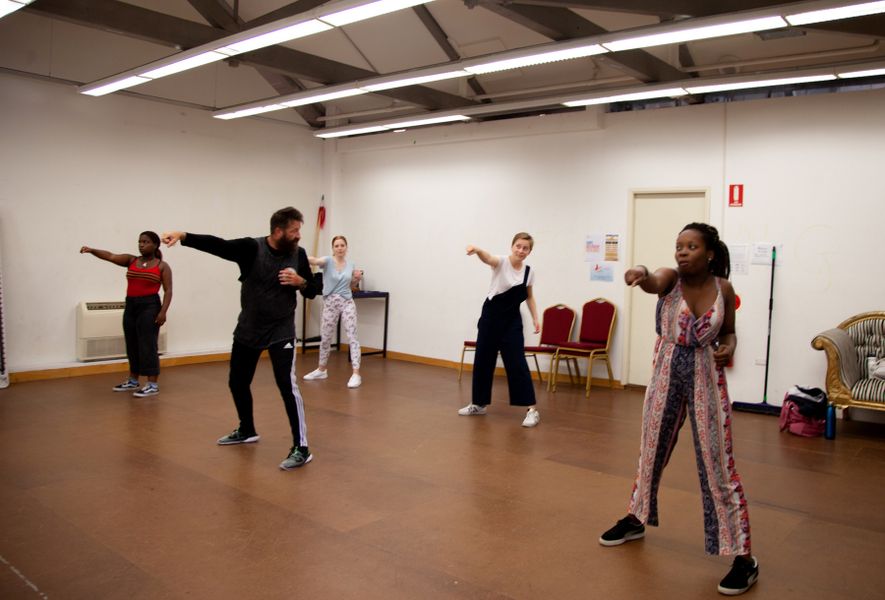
x=847 y=347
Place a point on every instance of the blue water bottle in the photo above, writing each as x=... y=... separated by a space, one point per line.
x=830 y=428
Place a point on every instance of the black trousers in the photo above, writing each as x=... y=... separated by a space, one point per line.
x=141 y=332
x=243 y=362
x=501 y=332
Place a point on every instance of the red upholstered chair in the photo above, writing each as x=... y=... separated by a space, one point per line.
x=556 y=327
x=597 y=325
x=557 y=324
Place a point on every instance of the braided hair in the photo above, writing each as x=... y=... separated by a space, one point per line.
x=156 y=240
x=721 y=263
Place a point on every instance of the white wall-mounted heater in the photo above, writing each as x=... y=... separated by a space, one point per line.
x=100 y=331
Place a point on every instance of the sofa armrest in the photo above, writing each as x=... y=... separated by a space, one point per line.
x=842 y=368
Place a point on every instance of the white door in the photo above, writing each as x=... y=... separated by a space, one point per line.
x=658 y=217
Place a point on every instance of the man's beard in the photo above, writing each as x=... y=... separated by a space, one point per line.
x=287 y=246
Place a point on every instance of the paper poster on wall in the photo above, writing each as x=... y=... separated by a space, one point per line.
x=740 y=258
x=612 y=246
x=762 y=254
x=602 y=272
x=593 y=247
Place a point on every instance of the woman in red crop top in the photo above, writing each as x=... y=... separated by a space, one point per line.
x=144 y=313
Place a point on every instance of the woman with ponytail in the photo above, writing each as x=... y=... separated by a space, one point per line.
x=696 y=340
x=144 y=314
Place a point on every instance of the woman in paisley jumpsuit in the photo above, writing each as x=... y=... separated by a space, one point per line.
x=696 y=340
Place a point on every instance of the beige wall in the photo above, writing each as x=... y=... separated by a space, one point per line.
x=412 y=201
x=97 y=171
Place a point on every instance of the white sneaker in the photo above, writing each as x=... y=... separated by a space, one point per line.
x=316 y=374
x=472 y=409
x=532 y=418
x=355 y=381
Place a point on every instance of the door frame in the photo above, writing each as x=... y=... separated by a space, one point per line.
x=628 y=255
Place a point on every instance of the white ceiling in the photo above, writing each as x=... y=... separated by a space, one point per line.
x=81 y=41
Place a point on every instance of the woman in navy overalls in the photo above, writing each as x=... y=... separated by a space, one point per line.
x=500 y=330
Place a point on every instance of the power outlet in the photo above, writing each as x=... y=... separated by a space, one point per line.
x=760 y=362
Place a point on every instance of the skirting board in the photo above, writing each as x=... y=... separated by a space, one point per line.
x=172 y=361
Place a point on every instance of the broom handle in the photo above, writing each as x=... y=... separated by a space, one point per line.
x=316 y=247
x=770 y=307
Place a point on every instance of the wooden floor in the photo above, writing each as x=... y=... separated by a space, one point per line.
x=109 y=496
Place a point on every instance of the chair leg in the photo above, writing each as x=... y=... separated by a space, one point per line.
x=538 y=368
x=568 y=365
x=554 y=371
x=550 y=373
x=461 y=368
x=593 y=356
x=611 y=379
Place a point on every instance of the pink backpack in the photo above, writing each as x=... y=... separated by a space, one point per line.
x=797 y=423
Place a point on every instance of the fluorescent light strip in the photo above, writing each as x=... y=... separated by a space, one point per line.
x=248 y=112
x=536 y=59
x=116 y=85
x=468 y=113
x=183 y=65
x=696 y=33
x=427 y=121
x=673 y=33
x=287 y=34
x=322 y=97
x=666 y=93
x=833 y=14
x=368 y=11
x=746 y=85
x=335 y=134
x=417 y=80
x=398 y=126
x=245 y=41
x=10 y=6
x=867 y=73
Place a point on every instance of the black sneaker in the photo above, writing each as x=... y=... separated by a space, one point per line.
x=151 y=389
x=235 y=437
x=744 y=573
x=623 y=531
x=298 y=457
x=130 y=385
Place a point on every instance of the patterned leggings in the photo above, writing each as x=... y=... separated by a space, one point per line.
x=333 y=306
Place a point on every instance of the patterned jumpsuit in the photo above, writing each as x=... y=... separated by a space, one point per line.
x=686 y=381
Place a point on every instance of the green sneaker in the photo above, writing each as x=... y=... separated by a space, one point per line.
x=236 y=437
x=298 y=457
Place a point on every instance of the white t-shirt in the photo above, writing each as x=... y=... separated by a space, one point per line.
x=504 y=277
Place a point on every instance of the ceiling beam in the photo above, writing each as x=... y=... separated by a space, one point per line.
x=873 y=26
x=133 y=21
x=562 y=24
x=283 y=84
x=218 y=14
x=442 y=39
x=128 y=20
x=666 y=9
x=290 y=10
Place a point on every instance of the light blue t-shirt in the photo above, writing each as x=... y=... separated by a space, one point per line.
x=335 y=282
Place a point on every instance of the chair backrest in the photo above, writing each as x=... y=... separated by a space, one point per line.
x=597 y=321
x=557 y=324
